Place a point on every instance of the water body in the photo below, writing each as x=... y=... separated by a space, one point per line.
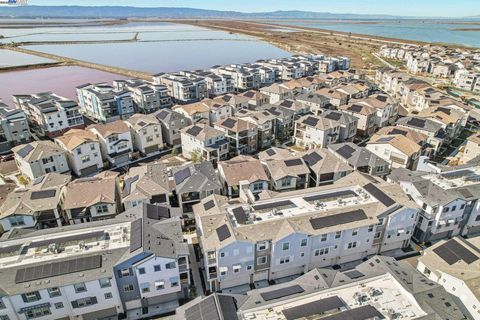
x=61 y=80
x=428 y=31
x=10 y=58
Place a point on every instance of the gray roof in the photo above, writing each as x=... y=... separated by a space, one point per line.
x=196 y=178
x=359 y=157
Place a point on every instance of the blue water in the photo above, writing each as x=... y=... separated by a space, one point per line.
x=429 y=31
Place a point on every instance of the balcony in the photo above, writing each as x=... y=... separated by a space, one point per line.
x=191 y=196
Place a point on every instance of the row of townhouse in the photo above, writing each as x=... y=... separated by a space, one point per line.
x=49 y=114
x=467 y=79
x=379 y=288
x=191 y=86
x=448 y=197
x=14 y=128
x=106 y=269
x=104 y=103
x=88 y=151
x=294 y=232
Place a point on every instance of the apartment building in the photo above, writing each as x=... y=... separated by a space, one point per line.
x=316 y=131
x=243 y=78
x=205 y=142
x=348 y=124
x=242 y=172
x=361 y=159
x=453 y=264
x=217 y=84
x=277 y=92
x=396 y=149
x=147 y=97
x=335 y=98
x=91 y=199
x=34 y=207
x=100 y=270
x=146 y=132
x=295 y=232
x=83 y=151
x=325 y=167
x=195 y=112
x=172 y=123
x=467 y=80
x=148 y=183
x=37 y=158
x=315 y=102
x=472 y=148
x=366 y=115
x=290 y=173
x=448 y=198
x=103 y=103
x=14 y=127
x=115 y=142
x=237 y=102
x=434 y=130
x=241 y=135
x=451 y=118
x=50 y=114
x=265 y=121
x=194 y=182
x=181 y=88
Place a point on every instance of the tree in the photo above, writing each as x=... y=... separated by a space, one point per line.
x=22 y=180
x=196 y=156
x=174 y=151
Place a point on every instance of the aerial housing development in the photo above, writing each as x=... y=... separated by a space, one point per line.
x=337 y=180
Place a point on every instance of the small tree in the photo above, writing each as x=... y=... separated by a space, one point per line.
x=174 y=151
x=196 y=156
x=22 y=180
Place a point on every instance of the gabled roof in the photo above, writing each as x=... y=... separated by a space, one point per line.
x=76 y=137
x=108 y=129
x=145 y=182
x=196 y=177
x=398 y=141
x=37 y=150
x=242 y=168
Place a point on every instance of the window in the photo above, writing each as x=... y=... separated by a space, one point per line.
x=92 y=147
x=338 y=234
x=16 y=221
x=284 y=260
x=380 y=221
x=125 y=272
x=446 y=209
x=104 y=282
x=323 y=237
x=160 y=284
x=37 y=312
x=171 y=265
x=79 y=151
x=370 y=228
x=222 y=254
x=257 y=186
x=108 y=295
x=286 y=246
x=321 y=251
x=262 y=246
x=157 y=268
x=145 y=287
x=102 y=208
x=454 y=208
x=84 y=302
x=58 y=305
x=141 y=270
x=304 y=243
x=352 y=245
x=2 y=304
x=249 y=267
x=462 y=206
x=54 y=292
x=174 y=282
x=85 y=159
x=377 y=235
x=128 y=287
x=31 y=296
x=80 y=287
x=236 y=269
x=354 y=232
x=261 y=260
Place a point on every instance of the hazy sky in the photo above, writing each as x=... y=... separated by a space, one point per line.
x=445 y=8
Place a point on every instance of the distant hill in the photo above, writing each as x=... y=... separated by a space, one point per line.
x=164 y=12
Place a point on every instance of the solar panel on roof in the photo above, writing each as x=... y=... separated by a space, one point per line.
x=444 y=110
x=310 y=121
x=79 y=237
x=162 y=114
x=59 y=268
x=355 y=108
x=270 y=152
x=240 y=215
x=346 y=151
x=25 y=151
x=385 y=139
x=271 y=205
x=209 y=205
x=354 y=274
x=379 y=195
x=312 y=158
x=157 y=212
x=382 y=98
x=313 y=308
x=331 y=196
x=141 y=123
x=227 y=306
x=419 y=123
x=280 y=293
x=136 y=235
x=229 y=123
x=398 y=131
x=44 y=194
x=367 y=312
x=194 y=131
x=452 y=251
x=223 y=233
x=337 y=219
x=293 y=162
x=334 y=116
x=204 y=310
x=181 y=175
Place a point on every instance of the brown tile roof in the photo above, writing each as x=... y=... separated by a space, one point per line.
x=243 y=168
x=107 y=129
x=76 y=137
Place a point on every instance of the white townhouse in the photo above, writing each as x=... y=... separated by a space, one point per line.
x=37 y=158
x=181 y=88
x=147 y=97
x=14 y=127
x=294 y=232
x=115 y=141
x=316 y=131
x=146 y=132
x=207 y=142
x=83 y=151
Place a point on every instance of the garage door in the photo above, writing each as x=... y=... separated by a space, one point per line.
x=88 y=171
x=151 y=149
